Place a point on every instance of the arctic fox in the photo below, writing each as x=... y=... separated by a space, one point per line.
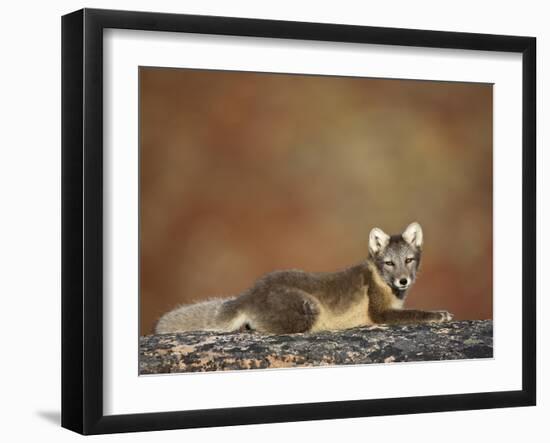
x=294 y=301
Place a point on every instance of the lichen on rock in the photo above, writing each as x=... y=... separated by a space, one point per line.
x=208 y=351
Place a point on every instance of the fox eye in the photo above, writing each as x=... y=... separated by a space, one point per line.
x=408 y=260
x=389 y=263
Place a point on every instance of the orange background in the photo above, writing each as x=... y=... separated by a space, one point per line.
x=246 y=173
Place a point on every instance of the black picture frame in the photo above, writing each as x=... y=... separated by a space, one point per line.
x=82 y=220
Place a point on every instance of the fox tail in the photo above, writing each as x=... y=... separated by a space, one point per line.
x=216 y=314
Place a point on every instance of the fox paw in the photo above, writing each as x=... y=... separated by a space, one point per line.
x=442 y=316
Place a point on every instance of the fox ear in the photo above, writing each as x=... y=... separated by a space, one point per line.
x=378 y=240
x=413 y=235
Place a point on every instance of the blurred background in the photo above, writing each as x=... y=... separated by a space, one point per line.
x=246 y=173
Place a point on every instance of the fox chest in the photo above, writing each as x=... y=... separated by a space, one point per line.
x=357 y=314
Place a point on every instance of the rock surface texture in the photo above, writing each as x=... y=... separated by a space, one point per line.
x=208 y=351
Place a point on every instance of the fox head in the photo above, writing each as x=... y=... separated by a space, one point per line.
x=397 y=257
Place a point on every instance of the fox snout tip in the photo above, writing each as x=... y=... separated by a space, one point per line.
x=402 y=283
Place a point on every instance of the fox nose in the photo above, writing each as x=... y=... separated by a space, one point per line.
x=403 y=281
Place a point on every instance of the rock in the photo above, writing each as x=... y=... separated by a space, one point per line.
x=208 y=351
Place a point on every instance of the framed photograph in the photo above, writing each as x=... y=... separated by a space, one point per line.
x=269 y=221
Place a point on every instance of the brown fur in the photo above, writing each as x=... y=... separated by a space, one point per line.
x=294 y=301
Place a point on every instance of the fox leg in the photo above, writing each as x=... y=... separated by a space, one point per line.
x=284 y=310
x=397 y=316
